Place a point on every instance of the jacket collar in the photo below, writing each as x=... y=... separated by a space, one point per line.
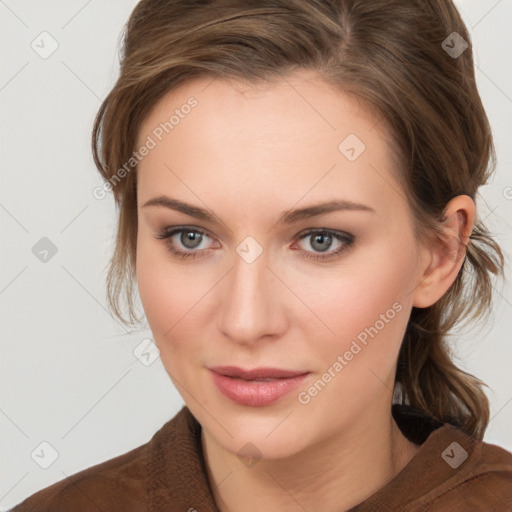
x=178 y=476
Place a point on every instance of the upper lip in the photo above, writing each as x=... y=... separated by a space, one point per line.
x=255 y=373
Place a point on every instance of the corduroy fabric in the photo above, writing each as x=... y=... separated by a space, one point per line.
x=168 y=474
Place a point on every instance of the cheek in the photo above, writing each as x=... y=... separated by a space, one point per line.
x=174 y=299
x=162 y=300
x=163 y=294
x=367 y=300
x=367 y=306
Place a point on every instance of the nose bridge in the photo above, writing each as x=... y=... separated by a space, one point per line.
x=248 y=307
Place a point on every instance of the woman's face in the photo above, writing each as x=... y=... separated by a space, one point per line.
x=252 y=291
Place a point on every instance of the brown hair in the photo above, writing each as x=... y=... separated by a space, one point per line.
x=390 y=55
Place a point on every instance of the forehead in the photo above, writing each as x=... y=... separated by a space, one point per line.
x=288 y=138
x=224 y=104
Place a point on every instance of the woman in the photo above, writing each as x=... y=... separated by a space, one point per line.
x=296 y=185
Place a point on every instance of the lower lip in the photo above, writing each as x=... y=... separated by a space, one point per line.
x=256 y=393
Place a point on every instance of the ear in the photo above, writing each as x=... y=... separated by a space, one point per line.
x=442 y=260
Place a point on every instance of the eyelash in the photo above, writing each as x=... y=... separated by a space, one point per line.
x=346 y=238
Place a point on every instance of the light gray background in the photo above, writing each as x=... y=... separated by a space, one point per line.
x=68 y=372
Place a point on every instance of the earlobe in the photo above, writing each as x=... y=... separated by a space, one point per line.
x=442 y=260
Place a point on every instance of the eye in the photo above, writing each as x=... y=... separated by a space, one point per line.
x=189 y=238
x=322 y=240
x=192 y=240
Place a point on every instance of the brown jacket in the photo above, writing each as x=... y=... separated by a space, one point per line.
x=167 y=474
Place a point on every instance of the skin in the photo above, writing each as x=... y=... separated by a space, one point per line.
x=247 y=154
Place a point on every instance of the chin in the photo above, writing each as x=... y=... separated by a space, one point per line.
x=261 y=433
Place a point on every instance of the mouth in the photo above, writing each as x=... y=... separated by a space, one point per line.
x=257 y=374
x=256 y=387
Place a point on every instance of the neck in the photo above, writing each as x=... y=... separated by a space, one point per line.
x=332 y=475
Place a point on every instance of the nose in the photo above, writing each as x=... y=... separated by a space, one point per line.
x=252 y=302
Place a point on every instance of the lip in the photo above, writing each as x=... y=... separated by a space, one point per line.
x=256 y=373
x=244 y=387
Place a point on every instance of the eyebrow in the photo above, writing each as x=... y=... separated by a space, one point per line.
x=286 y=217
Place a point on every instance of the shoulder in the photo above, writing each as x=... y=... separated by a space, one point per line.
x=115 y=484
x=140 y=479
x=477 y=475
x=489 y=480
x=451 y=471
